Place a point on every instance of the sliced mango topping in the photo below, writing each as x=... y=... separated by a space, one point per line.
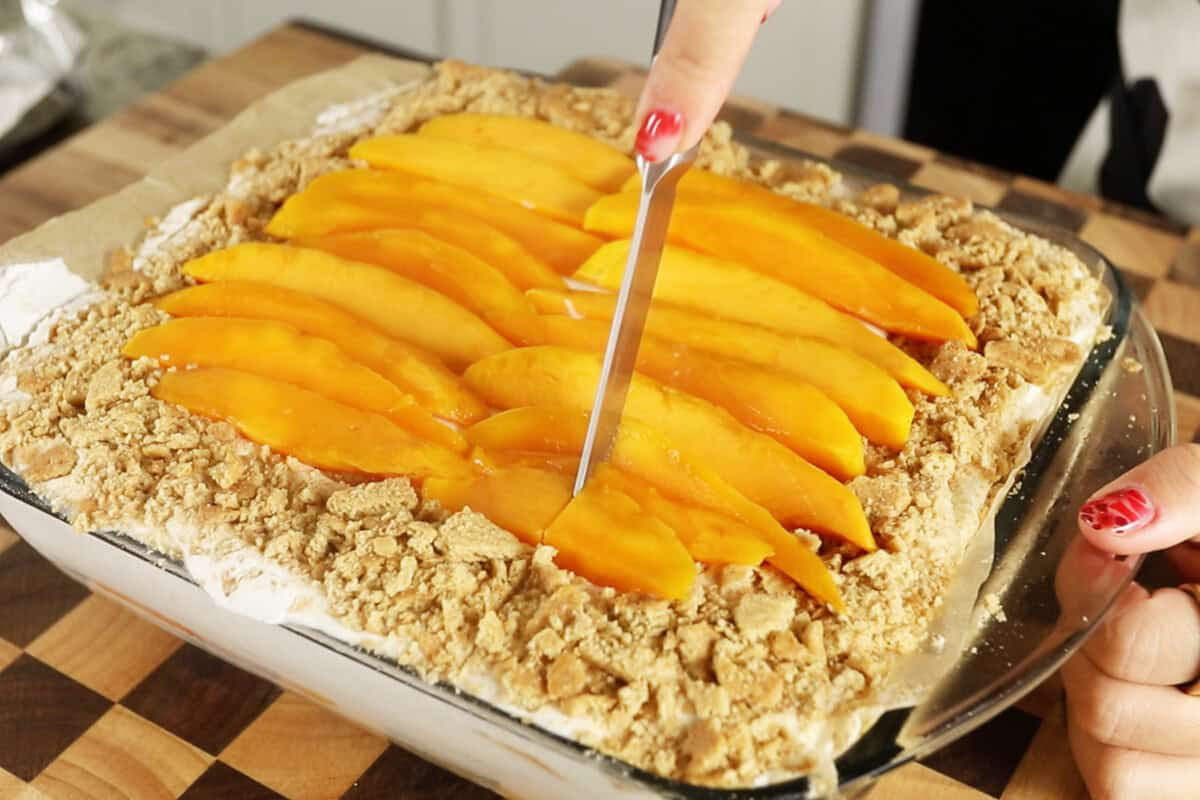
x=724 y=289
x=398 y=306
x=410 y=368
x=363 y=199
x=519 y=178
x=775 y=245
x=646 y=454
x=909 y=263
x=418 y=256
x=764 y=366
x=307 y=425
x=785 y=408
x=792 y=489
x=709 y=537
x=522 y=500
x=871 y=398
x=604 y=534
x=602 y=167
x=275 y=350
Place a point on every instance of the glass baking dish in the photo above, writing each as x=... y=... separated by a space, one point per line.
x=1113 y=417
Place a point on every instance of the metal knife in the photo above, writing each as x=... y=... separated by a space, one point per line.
x=633 y=300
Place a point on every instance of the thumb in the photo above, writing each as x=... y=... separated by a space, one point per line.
x=1152 y=507
x=694 y=71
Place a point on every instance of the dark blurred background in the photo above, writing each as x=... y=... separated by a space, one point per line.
x=1010 y=84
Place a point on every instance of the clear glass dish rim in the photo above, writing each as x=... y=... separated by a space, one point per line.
x=855 y=770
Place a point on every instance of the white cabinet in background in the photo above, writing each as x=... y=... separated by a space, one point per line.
x=222 y=25
x=806 y=57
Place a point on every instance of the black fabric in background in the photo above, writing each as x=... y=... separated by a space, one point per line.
x=1010 y=84
x=1137 y=128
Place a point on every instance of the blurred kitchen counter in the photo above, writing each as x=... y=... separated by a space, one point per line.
x=120 y=65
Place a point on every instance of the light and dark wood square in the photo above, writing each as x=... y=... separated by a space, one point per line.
x=42 y=712
x=1183 y=359
x=980 y=189
x=104 y=646
x=1174 y=308
x=223 y=782
x=8 y=653
x=13 y=788
x=886 y=164
x=201 y=699
x=8 y=536
x=302 y=750
x=123 y=755
x=1135 y=247
x=987 y=757
x=1187 y=408
x=1139 y=285
x=1186 y=269
x=1047 y=769
x=34 y=594
x=785 y=129
x=919 y=782
x=398 y=773
x=1043 y=209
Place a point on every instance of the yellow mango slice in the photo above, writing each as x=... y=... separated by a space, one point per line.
x=795 y=491
x=602 y=167
x=275 y=350
x=363 y=199
x=339 y=216
x=534 y=184
x=604 y=535
x=909 y=263
x=488 y=244
x=411 y=369
x=775 y=245
x=399 y=307
x=314 y=429
x=420 y=257
x=871 y=398
x=559 y=430
x=521 y=500
x=788 y=410
x=709 y=537
x=493 y=460
x=730 y=291
x=645 y=453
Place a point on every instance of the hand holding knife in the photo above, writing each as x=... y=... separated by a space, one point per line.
x=659 y=180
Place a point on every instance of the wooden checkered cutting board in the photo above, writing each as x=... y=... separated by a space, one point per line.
x=95 y=702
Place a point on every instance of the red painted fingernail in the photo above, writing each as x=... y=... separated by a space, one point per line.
x=1120 y=512
x=659 y=133
x=764 y=19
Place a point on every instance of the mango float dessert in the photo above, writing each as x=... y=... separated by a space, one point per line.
x=368 y=362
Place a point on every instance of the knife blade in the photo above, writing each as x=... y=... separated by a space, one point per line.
x=637 y=287
x=659 y=180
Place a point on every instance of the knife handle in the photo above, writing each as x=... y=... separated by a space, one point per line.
x=666 y=8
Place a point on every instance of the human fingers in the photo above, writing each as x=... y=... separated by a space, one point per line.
x=1114 y=773
x=694 y=71
x=1130 y=716
x=1152 y=507
x=1149 y=639
x=1084 y=580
